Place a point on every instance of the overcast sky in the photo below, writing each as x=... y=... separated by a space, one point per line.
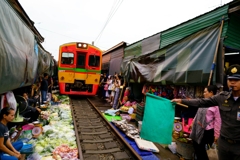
x=63 y=21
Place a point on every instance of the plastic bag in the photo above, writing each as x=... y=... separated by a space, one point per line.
x=173 y=147
x=27 y=149
x=111 y=112
x=34 y=156
x=26 y=134
x=130 y=110
x=212 y=153
x=11 y=100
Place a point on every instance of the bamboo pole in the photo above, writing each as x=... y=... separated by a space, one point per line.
x=216 y=51
x=183 y=105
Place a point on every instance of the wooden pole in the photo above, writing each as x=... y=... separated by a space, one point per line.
x=215 y=54
x=183 y=105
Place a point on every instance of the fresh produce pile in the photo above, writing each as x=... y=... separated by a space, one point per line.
x=45 y=115
x=58 y=141
x=128 y=105
x=181 y=136
x=65 y=152
x=63 y=99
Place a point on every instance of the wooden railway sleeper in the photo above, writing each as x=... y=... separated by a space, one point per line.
x=87 y=112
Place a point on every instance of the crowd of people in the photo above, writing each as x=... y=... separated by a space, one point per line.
x=31 y=98
x=34 y=96
x=109 y=88
x=228 y=103
x=216 y=121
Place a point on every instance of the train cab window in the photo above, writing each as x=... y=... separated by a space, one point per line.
x=81 y=61
x=67 y=58
x=94 y=61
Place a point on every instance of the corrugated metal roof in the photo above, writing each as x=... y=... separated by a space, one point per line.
x=232 y=39
x=230 y=33
x=187 y=28
x=183 y=30
x=106 y=58
x=135 y=49
x=117 y=53
x=115 y=47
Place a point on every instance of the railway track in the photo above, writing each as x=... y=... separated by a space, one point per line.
x=97 y=139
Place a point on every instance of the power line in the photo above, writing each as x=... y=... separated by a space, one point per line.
x=114 y=10
x=66 y=36
x=111 y=14
x=57 y=33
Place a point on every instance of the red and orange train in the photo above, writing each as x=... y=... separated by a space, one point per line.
x=79 y=69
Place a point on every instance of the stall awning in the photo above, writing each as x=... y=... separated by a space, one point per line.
x=187 y=61
x=18 y=60
x=178 y=32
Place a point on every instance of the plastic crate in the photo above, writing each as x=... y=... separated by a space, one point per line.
x=138 y=117
x=139 y=113
x=140 y=108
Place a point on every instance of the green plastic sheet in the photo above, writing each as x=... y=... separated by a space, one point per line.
x=110 y=118
x=158 y=119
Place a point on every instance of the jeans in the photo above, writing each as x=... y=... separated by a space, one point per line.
x=116 y=98
x=44 y=96
x=17 y=145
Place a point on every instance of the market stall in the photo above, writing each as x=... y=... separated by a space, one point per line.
x=131 y=134
x=52 y=137
x=152 y=116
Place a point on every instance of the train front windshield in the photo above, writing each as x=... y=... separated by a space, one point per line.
x=67 y=58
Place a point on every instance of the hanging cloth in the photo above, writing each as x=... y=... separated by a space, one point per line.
x=199 y=125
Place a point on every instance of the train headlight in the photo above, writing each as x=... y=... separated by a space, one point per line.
x=62 y=78
x=79 y=44
x=82 y=45
x=96 y=80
